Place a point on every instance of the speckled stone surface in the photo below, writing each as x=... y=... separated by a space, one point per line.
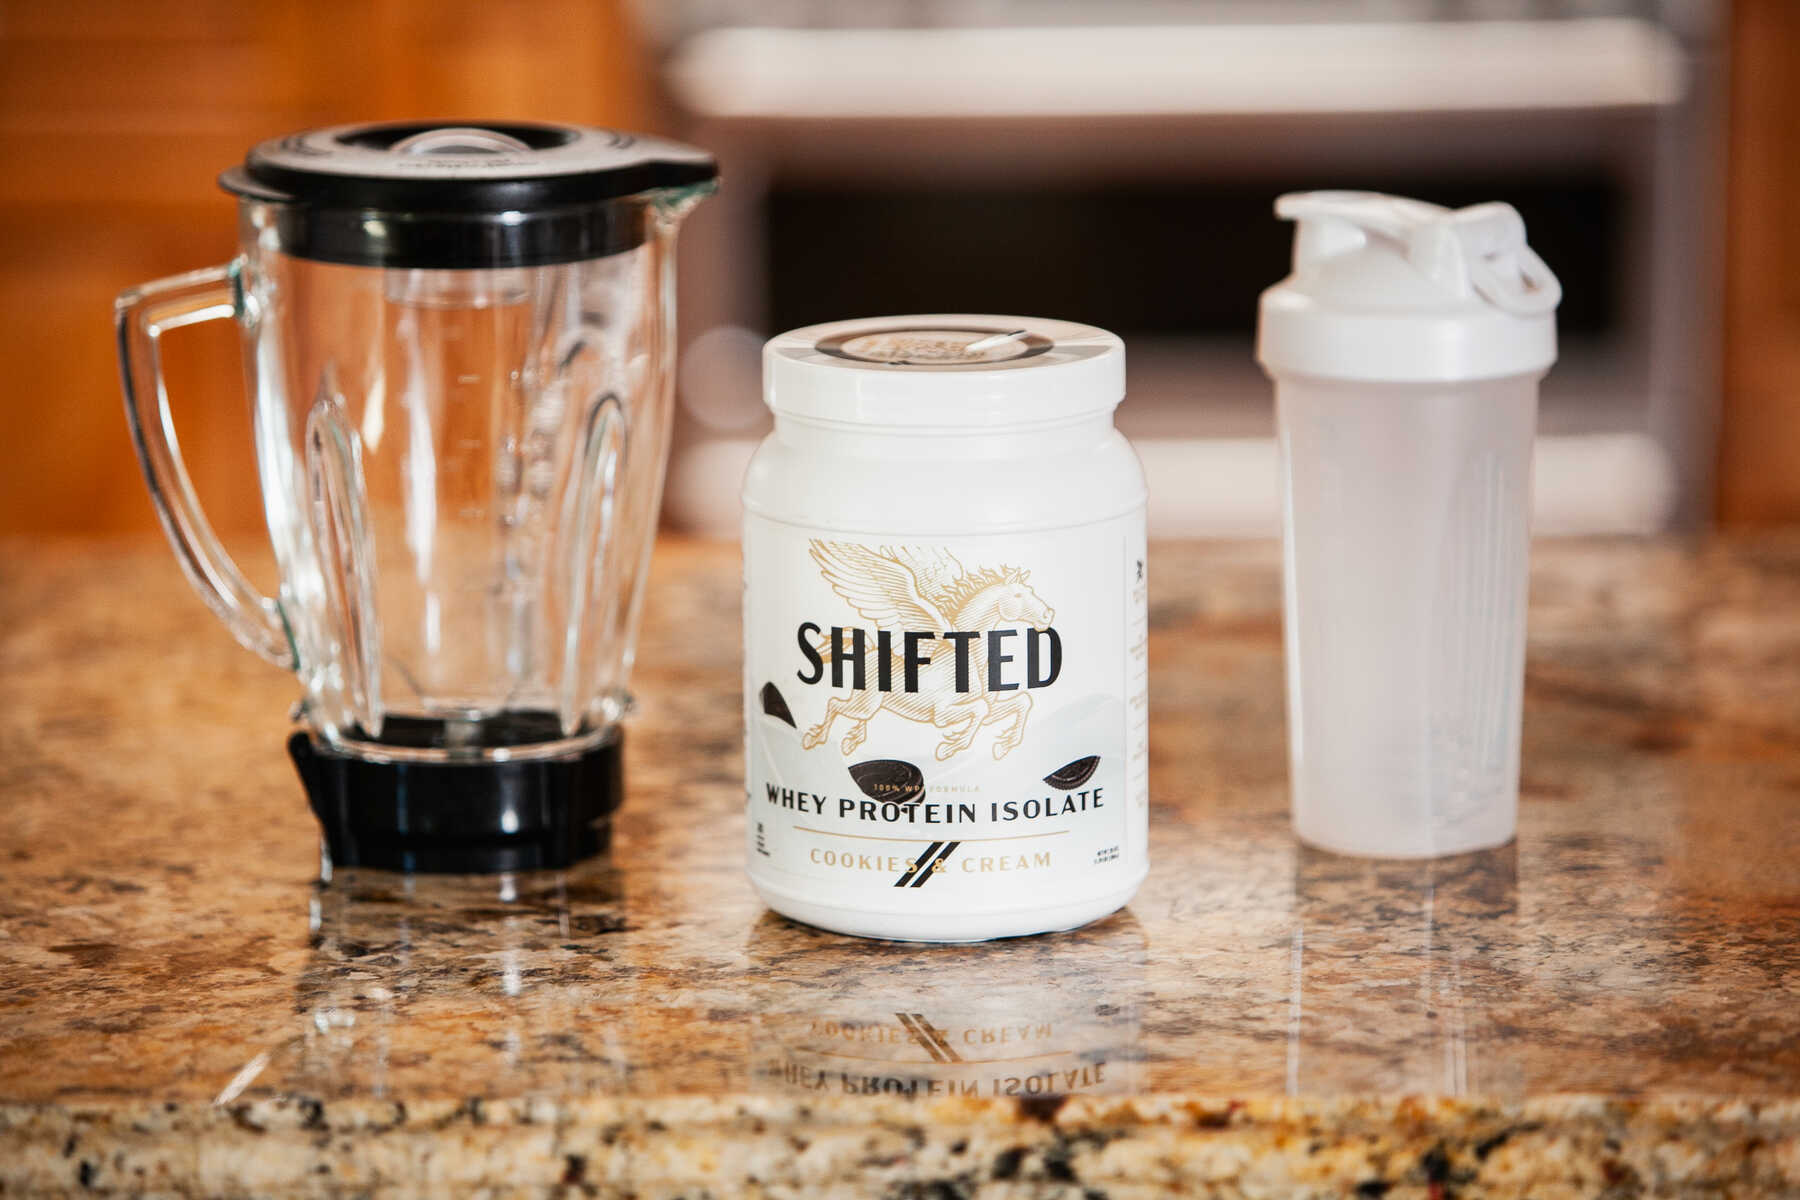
x=1611 y=1006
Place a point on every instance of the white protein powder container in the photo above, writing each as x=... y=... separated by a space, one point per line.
x=944 y=628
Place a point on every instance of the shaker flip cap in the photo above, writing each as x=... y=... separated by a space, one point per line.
x=1389 y=289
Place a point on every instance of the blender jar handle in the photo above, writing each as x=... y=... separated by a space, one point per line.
x=141 y=316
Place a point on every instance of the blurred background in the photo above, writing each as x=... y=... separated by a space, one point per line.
x=1111 y=162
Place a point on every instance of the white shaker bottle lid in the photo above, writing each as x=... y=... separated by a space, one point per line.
x=1390 y=290
x=944 y=371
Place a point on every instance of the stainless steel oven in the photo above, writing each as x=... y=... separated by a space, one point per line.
x=1117 y=163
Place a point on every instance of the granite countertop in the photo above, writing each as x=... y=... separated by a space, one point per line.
x=1610 y=1006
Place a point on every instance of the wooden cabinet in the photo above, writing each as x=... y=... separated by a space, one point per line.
x=115 y=118
x=1759 y=432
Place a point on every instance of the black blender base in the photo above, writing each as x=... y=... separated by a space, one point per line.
x=462 y=818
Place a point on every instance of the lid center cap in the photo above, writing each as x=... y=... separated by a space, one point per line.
x=921 y=346
x=460 y=139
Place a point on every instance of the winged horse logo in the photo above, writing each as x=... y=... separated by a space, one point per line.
x=904 y=588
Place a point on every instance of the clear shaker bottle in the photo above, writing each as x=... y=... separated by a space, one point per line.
x=1406 y=349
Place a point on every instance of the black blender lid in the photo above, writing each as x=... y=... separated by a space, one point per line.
x=451 y=194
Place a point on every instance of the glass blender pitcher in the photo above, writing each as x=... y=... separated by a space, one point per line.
x=459 y=344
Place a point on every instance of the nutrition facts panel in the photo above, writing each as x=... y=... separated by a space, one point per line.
x=1137 y=684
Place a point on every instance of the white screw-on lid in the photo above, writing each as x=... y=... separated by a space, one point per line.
x=1391 y=290
x=945 y=371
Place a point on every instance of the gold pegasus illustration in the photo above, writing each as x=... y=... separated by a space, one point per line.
x=906 y=588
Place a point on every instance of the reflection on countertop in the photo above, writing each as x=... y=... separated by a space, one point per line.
x=1407 y=961
x=1028 y=1019
x=393 y=954
x=1615 y=998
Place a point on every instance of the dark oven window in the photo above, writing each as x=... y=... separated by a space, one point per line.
x=1141 y=259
